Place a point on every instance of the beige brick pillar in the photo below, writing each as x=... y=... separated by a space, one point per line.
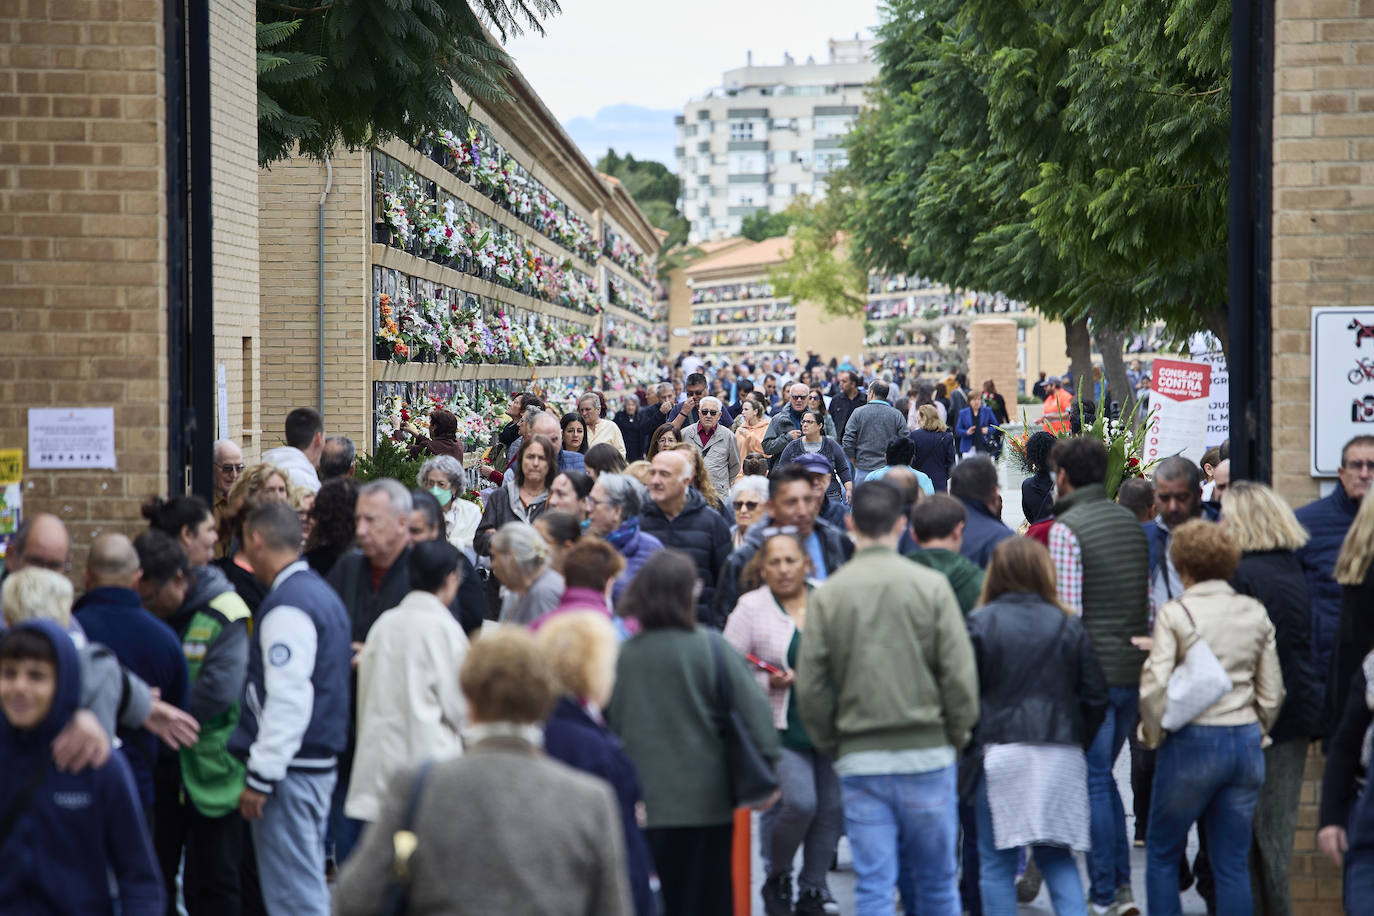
x=992 y=355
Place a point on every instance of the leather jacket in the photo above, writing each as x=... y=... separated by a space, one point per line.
x=1039 y=679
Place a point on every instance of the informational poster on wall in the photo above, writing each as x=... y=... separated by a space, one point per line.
x=1205 y=348
x=71 y=437
x=11 y=494
x=1180 y=396
x=1342 y=399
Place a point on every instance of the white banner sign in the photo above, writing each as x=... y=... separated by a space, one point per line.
x=71 y=437
x=1342 y=383
x=1179 y=395
x=1207 y=349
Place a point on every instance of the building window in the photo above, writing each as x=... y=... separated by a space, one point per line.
x=741 y=130
x=747 y=163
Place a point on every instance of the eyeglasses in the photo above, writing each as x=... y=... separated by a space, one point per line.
x=745 y=505
x=783 y=530
x=1356 y=464
x=708 y=413
x=232 y=468
x=594 y=502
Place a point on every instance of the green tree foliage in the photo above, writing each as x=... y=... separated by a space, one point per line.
x=389 y=68
x=761 y=225
x=277 y=69
x=818 y=270
x=653 y=188
x=1070 y=153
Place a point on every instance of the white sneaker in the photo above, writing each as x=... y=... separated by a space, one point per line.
x=1095 y=910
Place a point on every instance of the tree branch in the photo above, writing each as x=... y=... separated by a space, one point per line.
x=296 y=10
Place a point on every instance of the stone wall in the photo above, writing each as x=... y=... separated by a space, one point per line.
x=82 y=246
x=1323 y=255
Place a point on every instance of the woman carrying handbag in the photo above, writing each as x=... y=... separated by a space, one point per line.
x=1210 y=766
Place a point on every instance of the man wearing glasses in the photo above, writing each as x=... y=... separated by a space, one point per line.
x=1327 y=520
x=716 y=443
x=228 y=466
x=685 y=413
x=786 y=423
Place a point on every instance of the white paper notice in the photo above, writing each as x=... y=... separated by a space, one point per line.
x=1179 y=394
x=222 y=399
x=71 y=437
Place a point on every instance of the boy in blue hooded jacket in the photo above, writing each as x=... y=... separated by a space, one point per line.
x=63 y=834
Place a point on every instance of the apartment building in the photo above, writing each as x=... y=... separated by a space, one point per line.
x=767 y=134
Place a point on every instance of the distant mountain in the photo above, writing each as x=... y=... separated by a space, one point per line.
x=648 y=133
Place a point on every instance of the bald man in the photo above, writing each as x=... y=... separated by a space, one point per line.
x=111 y=613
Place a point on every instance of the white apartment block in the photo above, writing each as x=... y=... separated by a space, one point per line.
x=767 y=134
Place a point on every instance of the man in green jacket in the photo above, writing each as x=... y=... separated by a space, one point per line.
x=937 y=524
x=887 y=687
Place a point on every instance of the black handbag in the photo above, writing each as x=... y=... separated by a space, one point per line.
x=397 y=899
x=752 y=778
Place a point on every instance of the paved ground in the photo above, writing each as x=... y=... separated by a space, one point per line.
x=842 y=881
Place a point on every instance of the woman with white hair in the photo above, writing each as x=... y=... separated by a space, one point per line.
x=615 y=502
x=520 y=559
x=748 y=497
x=444 y=478
x=715 y=442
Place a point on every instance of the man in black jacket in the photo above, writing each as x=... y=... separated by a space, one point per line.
x=371 y=580
x=680 y=518
x=845 y=402
x=792 y=503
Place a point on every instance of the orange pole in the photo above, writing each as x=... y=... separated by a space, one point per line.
x=741 y=855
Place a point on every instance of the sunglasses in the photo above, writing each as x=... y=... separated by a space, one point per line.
x=745 y=505
x=232 y=468
x=709 y=413
x=1356 y=464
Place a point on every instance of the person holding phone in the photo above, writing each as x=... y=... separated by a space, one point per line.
x=766 y=628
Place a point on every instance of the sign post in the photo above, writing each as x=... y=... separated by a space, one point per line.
x=1342 y=400
x=1179 y=397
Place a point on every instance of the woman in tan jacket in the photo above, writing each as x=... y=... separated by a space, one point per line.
x=1211 y=769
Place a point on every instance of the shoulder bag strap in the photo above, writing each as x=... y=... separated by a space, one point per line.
x=20 y=803
x=396 y=901
x=723 y=695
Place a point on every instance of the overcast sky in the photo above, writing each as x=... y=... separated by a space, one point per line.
x=657 y=54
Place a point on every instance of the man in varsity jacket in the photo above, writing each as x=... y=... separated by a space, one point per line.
x=294 y=720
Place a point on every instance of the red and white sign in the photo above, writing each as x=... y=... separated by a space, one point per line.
x=1179 y=392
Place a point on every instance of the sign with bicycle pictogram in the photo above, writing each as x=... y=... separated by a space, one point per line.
x=1342 y=383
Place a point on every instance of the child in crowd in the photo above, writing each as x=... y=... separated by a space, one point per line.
x=66 y=838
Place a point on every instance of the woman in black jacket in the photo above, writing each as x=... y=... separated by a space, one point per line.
x=1347 y=813
x=1037 y=490
x=934 y=447
x=1268 y=533
x=1043 y=695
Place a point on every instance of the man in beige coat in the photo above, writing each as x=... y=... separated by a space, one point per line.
x=716 y=443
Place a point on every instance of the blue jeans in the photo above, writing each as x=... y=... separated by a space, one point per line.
x=1214 y=774
x=288 y=842
x=810 y=817
x=906 y=821
x=1109 y=861
x=997 y=870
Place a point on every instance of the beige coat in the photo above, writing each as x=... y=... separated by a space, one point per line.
x=1239 y=633
x=721 y=455
x=607 y=431
x=409 y=704
x=502 y=831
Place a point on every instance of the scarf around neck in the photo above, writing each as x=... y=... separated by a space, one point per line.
x=621 y=536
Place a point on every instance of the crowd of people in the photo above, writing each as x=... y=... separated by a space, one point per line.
x=314 y=693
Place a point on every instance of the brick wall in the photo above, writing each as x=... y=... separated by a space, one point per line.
x=1323 y=254
x=82 y=245
x=290 y=193
x=234 y=211
x=992 y=355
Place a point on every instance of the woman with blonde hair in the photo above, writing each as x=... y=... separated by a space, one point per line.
x=1042 y=695
x=701 y=479
x=1355 y=631
x=1268 y=535
x=582 y=648
x=1213 y=766
x=258 y=485
x=934 y=447
x=502 y=828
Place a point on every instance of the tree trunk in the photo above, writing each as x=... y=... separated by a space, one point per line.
x=1078 y=346
x=1110 y=344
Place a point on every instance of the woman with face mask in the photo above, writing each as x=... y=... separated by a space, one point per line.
x=442 y=476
